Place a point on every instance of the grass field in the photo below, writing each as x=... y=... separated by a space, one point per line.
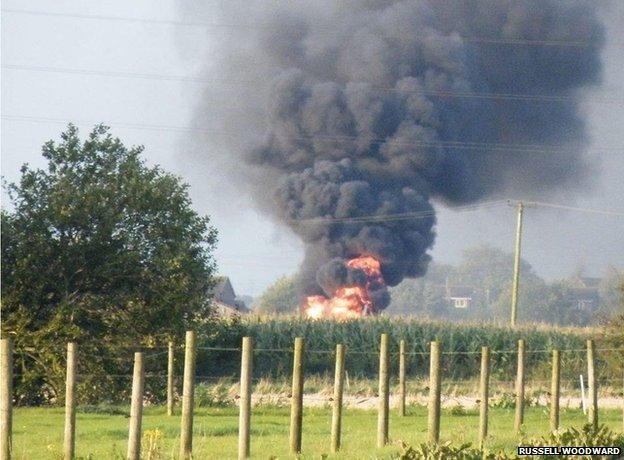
x=38 y=431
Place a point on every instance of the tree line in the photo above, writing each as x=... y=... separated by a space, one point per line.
x=484 y=275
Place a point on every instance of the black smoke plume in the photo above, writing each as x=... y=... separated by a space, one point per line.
x=369 y=108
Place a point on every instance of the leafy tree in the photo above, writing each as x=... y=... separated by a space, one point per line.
x=489 y=271
x=611 y=293
x=422 y=297
x=614 y=332
x=101 y=249
x=280 y=297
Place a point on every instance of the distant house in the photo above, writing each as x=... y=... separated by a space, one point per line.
x=225 y=300
x=459 y=296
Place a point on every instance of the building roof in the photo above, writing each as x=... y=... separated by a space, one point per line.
x=464 y=292
x=225 y=297
x=591 y=282
x=222 y=287
x=586 y=282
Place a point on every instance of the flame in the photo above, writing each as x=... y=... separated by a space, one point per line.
x=348 y=302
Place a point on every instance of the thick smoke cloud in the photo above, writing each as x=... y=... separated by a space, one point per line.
x=364 y=112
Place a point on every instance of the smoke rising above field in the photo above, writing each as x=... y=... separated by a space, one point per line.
x=348 y=109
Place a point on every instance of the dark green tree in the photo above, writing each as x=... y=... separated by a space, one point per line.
x=102 y=249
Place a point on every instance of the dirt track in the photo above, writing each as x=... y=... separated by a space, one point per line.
x=370 y=402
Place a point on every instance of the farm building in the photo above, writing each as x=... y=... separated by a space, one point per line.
x=224 y=299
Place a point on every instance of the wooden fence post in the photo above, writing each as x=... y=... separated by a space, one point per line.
x=136 y=408
x=433 y=420
x=592 y=385
x=384 y=394
x=170 y=379
x=402 y=394
x=519 y=419
x=188 y=389
x=554 y=391
x=484 y=392
x=337 y=403
x=244 y=415
x=6 y=397
x=69 y=442
x=296 y=407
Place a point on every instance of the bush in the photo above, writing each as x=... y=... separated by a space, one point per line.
x=218 y=395
x=508 y=401
x=446 y=451
x=586 y=436
x=459 y=411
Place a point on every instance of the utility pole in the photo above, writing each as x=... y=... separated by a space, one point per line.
x=516 y=278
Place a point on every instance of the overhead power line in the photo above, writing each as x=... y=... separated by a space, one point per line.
x=436 y=93
x=605 y=212
x=459 y=145
x=431 y=213
x=167 y=22
x=397 y=217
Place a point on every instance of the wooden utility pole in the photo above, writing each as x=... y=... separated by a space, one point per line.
x=516 y=276
x=384 y=393
x=69 y=443
x=336 y=426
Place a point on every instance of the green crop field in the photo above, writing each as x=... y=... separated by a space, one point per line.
x=38 y=431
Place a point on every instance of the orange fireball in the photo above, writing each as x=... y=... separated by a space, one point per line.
x=348 y=302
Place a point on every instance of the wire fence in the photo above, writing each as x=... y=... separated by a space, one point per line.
x=218 y=370
x=158 y=374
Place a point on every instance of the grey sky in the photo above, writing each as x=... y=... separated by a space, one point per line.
x=252 y=250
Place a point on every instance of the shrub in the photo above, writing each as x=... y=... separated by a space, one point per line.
x=217 y=395
x=459 y=410
x=508 y=401
x=586 y=436
x=446 y=451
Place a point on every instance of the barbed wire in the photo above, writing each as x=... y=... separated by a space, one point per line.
x=285 y=381
x=355 y=351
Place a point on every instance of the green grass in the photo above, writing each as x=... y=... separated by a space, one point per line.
x=38 y=431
